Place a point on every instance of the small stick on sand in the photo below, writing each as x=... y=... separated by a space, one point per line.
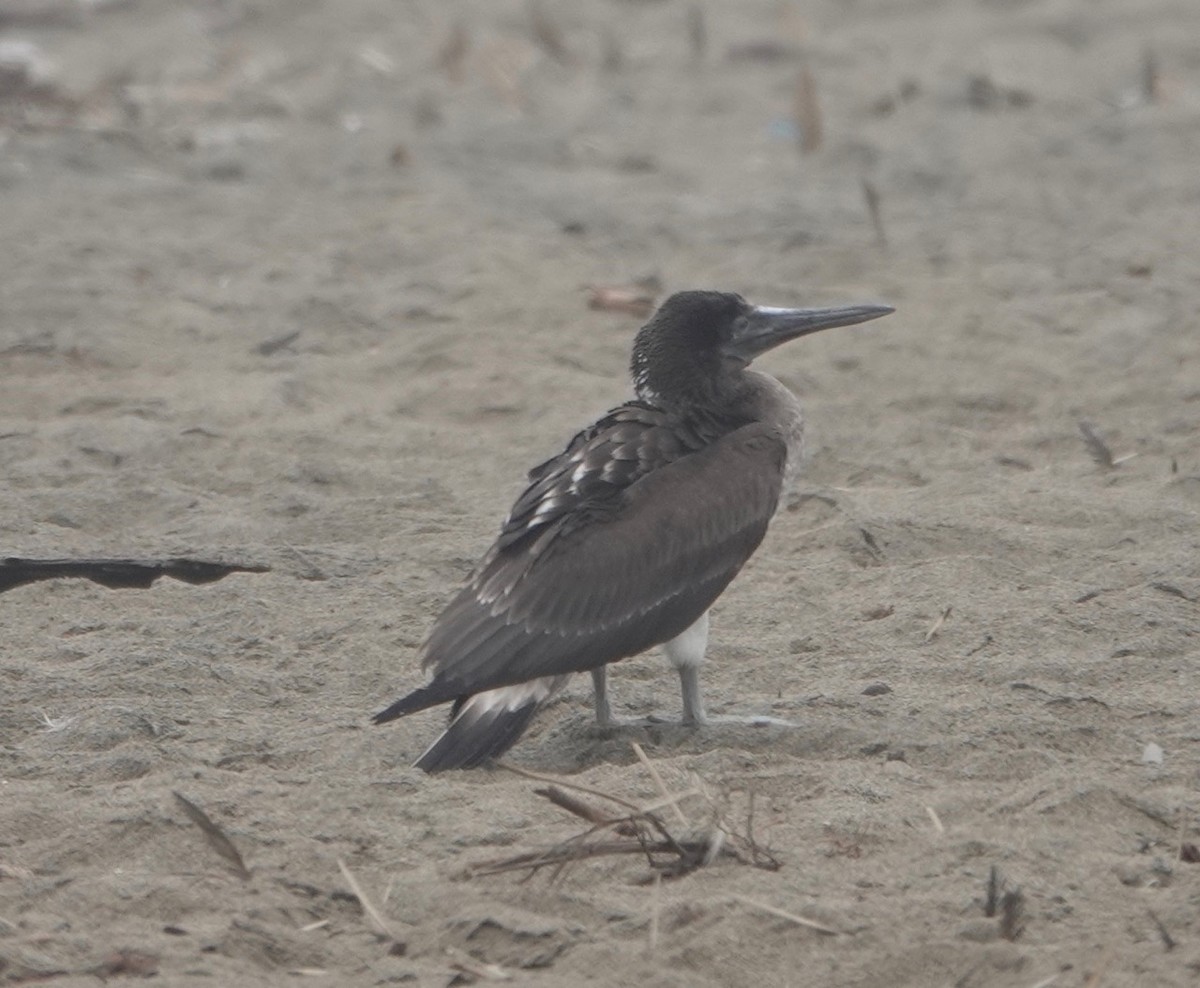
x=453 y=52
x=658 y=782
x=1151 y=87
x=314 y=572
x=716 y=844
x=368 y=907
x=1167 y=939
x=655 y=910
x=575 y=806
x=937 y=822
x=987 y=640
x=1101 y=966
x=464 y=962
x=1012 y=912
x=871 y=195
x=1099 y=449
x=548 y=34
x=937 y=625
x=671 y=799
x=1096 y=446
x=806 y=113
x=812 y=924
x=276 y=343
x=636 y=301
x=215 y=836
x=991 y=902
x=697 y=32
x=503 y=63
x=613 y=59
x=553 y=780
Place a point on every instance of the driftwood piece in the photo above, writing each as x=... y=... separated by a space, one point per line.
x=117 y=573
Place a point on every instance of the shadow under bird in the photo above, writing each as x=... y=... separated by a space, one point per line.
x=625 y=539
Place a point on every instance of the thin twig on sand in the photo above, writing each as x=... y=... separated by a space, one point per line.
x=214 y=835
x=871 y=196
x=812 y=924
x=937 y=625
x=370 y=910
x=464 y=963
x=806 y=113
x=655 y=911
x=639 y=830
x=1099 y=449
x=935 y=820
x=658 y=782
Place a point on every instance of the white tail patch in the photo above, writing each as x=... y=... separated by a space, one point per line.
x=482 y=712
x=507 y=699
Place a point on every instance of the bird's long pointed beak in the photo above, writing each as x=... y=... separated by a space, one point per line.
x=764 y=328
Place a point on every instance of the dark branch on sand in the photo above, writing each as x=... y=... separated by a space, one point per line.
x=214 y=835
x=118 y=574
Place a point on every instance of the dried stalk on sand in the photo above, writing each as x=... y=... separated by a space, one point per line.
x=639 y=830
x=806 y=113
x=1098 y=449
x=214 y=835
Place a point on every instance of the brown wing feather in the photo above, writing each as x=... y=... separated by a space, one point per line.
x=613 y=575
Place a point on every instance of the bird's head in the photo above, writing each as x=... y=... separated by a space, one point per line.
x=697 y=340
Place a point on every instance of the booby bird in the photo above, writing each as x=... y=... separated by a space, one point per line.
x=625 y=539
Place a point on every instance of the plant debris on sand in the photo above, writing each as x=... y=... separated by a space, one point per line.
x=670 y=851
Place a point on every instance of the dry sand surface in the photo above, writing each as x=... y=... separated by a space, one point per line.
x=301 y=283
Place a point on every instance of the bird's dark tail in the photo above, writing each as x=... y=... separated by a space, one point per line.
x=485 y=725
x=422 y=699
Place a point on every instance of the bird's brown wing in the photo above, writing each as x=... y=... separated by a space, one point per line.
x=602 y=460
x=583 y=576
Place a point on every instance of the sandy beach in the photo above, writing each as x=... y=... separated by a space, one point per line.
x=306 y=284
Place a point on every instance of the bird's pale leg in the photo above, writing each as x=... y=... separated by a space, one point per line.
x=604 y=715
x=686 y=654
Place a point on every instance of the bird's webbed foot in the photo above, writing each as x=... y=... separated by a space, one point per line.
x=751 y=720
